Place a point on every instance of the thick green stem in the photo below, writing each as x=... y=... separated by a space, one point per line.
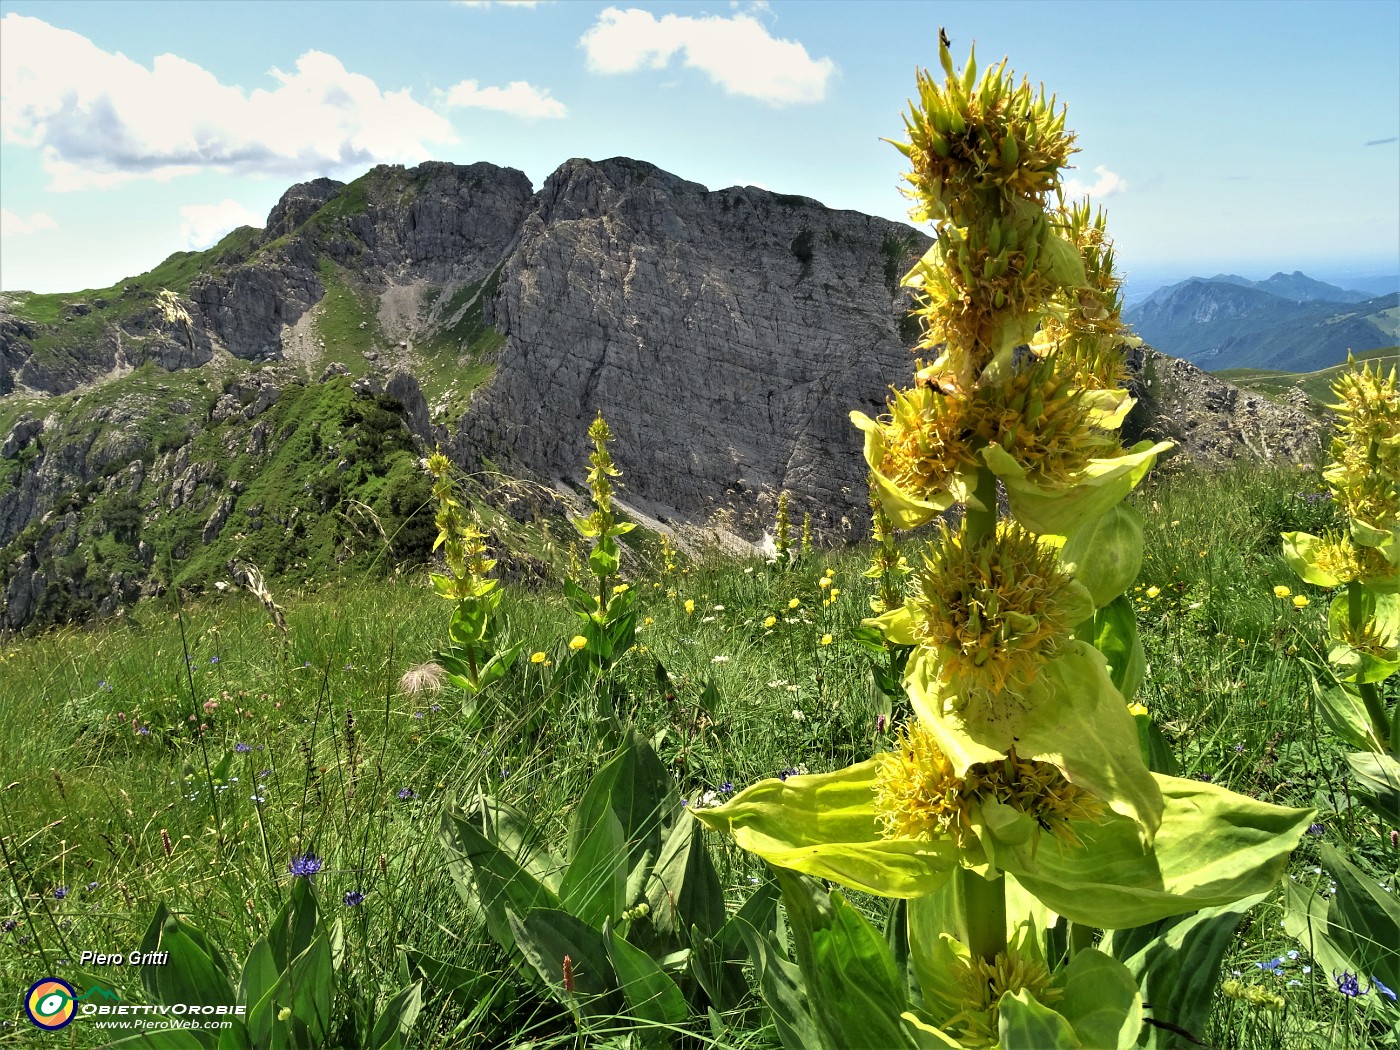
x=1370 y=693
x=982 y=524
x=983 y=905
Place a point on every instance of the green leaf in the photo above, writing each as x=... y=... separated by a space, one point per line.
x=825 y=825
x=490 y=875
x=259 y=976
x=466 y=986
x=294 y=927
x=1101 y=1001
x=308 y=987
x=595 y=885
x=784 y=992
x=1345 y=713
x=1156 y=752
x=1176 y=962
x=1113 y=631
x=856 y=990
x=1027 y=1025
x=651 y=995
x=1214 y=847
x=635 y=788
x=603 y=559
x=194 y=971
x=684 y=889
x=1378 y=781
x=545 y=936
x=1105 y=554
x=1364 y=919
x=396 y=1018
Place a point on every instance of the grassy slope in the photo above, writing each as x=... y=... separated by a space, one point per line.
x=1317 y=385
x=1225 y=681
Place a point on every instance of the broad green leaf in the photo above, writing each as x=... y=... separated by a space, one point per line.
x=603 y=559
x=1378 y=782
x=396 y=1018
x=1070 y=716
x=595 y=884
x=856 y=990
x=1156 y=752
x=194 y=972
x=1113 y=632
x=1025 y=1024
x=1101 y=1001
x=784 y=992
x=926 y=1036
x=491 y=876
x=260 y=975
x=825 y=825
x=651 y=995
x=1300 y=552
x=546 y=936
x=1345 y=713
x=236 y=1037
x=1105 y=554
x=294 y=927
x=684 y=889
x=1214 y=847
x=1364 y=919
x=1176 y=963
x=308 y=987
x=1060 y=508
x=760 y=911
x=634 y=786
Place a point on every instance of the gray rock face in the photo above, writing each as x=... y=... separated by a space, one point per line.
x=1210 y=420
x=724 y=335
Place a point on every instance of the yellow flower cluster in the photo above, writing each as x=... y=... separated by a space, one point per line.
x=1365 y=473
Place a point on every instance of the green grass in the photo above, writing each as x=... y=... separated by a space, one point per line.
x=88 y=796
x=346 y=319
x=1317 y=385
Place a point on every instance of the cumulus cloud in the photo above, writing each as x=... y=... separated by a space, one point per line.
x=1108 y=184
x=101 y=118
x=13 y=224
x=204 y=225
x=518 y=98
x=737 y=53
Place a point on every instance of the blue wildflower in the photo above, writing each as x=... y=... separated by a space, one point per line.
x=59 y=892
x=242 y=748
x=354 y=899
x=1378 y=986
x=305 y=866
x=1316 y=830
x=1348 y=985
x=407 y=794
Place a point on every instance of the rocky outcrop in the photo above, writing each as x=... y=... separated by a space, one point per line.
x=724 y=335
x=1212 y=421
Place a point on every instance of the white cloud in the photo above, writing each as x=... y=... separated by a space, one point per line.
x=737 y=53
x=101 y=119
x=518 y=98
x=12 y=224
x=204 y=225
x=1109 y=184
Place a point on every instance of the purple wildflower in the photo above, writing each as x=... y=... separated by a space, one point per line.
x=305 y=866
x=1348 y=985
x=407 y=794
x=354 y=899
x=1316 y=830
x=242 y=748
x=59 y=892
x=8 y=925
x=1378 y=986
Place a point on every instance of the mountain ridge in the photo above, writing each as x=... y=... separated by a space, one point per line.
x=267 y=400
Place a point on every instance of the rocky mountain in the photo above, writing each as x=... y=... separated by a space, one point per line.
x=268 y=399
x=1289 y=322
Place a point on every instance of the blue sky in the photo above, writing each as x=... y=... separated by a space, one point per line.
x=1245 y=137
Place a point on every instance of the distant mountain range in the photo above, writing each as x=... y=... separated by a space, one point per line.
x=1289 y=322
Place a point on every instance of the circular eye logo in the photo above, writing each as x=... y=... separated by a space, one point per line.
x=49 y=1003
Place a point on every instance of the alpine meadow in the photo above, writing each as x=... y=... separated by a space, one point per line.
x=1072 y=740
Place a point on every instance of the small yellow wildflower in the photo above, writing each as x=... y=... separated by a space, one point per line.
x=577 y=642
x=1281 y=591
x=648 y=622
x=826 y=639
x=835 y=591
x=770 y=621
x=1299 y=601
x=537 y=658
x=824 y=582
x=622 y=588
x=1137 y=709
x=1152 y=592
x=794 y=603
x=689 y=606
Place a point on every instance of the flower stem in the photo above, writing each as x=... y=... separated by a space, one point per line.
x=982 y=524
x=982 y=903
x=1370 y=695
